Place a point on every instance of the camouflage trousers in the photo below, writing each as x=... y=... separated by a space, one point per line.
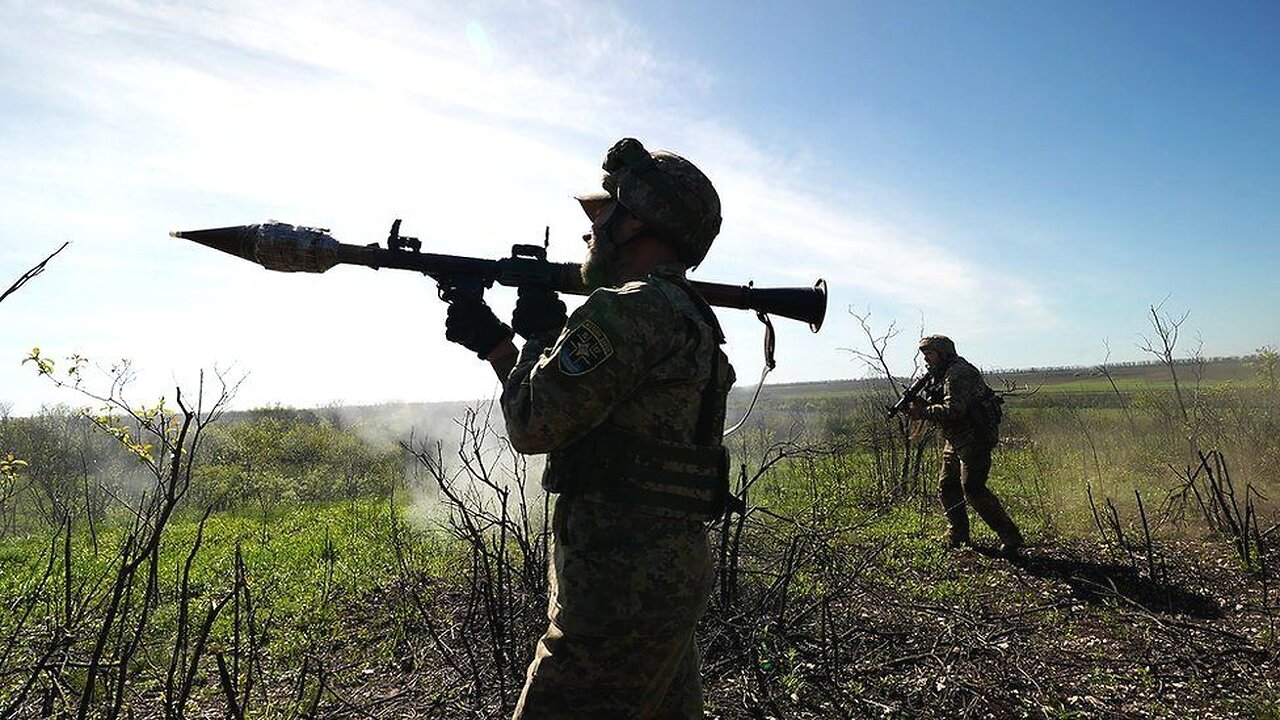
x=622 y=677
x=964 y=477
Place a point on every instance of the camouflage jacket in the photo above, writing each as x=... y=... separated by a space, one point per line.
x=636 y=357
x=952 y=402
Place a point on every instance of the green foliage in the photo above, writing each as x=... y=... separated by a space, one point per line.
x=1266 y=367
x=65 y=466
x=44 y=365
x=311 y=561
x=274 y=456
x=11 y=467
x=93 y=463
x=112 y=424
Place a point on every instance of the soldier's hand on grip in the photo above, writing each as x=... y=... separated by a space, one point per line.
x=539 y=311
x=471 y=323
x=915 y=410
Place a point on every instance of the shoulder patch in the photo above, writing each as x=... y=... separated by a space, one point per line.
x=585 y=349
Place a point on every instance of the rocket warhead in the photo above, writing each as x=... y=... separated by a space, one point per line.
x=238 y=240
x=273 y=245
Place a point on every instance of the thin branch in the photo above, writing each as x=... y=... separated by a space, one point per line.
x=30 y=274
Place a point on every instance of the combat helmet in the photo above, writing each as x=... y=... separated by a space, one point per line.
x=940 y=343
x=669 y=194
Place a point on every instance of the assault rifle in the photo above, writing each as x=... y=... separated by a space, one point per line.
x=908 y=396
x=294 y=248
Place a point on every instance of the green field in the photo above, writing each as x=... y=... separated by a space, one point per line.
x=341 y=574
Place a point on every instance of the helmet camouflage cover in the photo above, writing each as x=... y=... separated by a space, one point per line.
x=669 y=194
x=940 y=343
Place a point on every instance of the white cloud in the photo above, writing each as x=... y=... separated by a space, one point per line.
x=140 y=117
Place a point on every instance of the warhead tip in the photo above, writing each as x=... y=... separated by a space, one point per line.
x=238 y=240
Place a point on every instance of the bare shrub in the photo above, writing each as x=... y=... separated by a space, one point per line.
x=501 y=526
x=86 y=659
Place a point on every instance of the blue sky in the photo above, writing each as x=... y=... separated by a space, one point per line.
x=1026 y=177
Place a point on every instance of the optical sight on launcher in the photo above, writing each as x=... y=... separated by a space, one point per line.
x=295 y=248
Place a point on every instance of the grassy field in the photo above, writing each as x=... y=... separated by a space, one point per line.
x=1148 y=588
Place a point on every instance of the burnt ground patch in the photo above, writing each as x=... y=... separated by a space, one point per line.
x=1064 y=631
x=1070 y=630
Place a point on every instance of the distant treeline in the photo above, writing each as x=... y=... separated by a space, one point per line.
x=1227 y=360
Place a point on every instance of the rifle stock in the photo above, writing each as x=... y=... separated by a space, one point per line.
x=293 y=248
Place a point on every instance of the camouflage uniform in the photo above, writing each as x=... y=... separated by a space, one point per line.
x=628 y=581
x=954 y=396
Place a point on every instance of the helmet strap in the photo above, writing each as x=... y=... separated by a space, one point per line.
x=611 y=226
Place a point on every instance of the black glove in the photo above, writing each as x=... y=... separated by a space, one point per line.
x=539 y=311
x=471 y=323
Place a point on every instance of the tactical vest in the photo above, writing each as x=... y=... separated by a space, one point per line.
x=670 y=479
x=982 y=418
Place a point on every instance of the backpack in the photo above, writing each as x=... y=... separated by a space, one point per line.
x=989 y=411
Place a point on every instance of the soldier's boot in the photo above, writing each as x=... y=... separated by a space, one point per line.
x=957 y=533
x=1011 y=546
x=954 y=538
x=993 y=514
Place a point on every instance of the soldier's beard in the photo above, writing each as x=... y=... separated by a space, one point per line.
x=938 y=364
x=601 y=268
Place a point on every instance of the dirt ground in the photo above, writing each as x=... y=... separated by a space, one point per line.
x=1068 y=630
x=1063 y=631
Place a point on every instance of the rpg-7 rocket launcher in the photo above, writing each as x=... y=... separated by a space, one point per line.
x=294 y=248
